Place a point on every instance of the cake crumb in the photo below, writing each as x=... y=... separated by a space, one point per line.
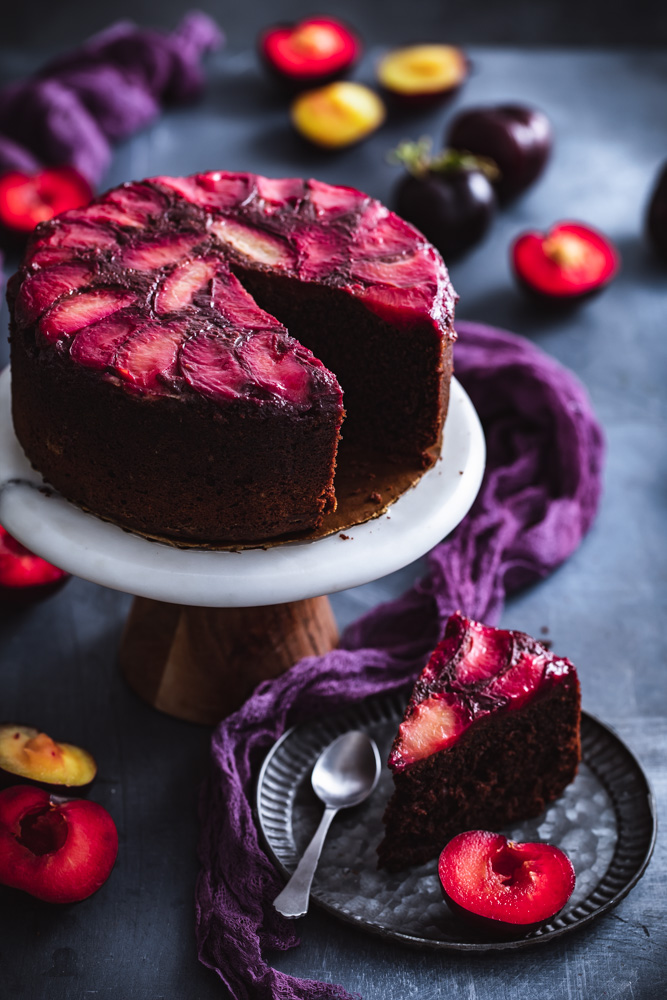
x=544 y=630
x=375 y=497
x=344 y=537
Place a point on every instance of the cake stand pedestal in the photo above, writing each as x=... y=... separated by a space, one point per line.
x=201 y=664
x=208 y=626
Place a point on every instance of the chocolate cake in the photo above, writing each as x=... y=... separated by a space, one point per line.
x=179 y=350
x=490 y=736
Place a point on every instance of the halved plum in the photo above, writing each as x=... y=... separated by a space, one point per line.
x=569 y=262
x=59 y=851
x=315 y=50
x=28 y=753
x=337 y=115
x=502 y=887
x=26 y=200
x=25 y=577
x=423 y=73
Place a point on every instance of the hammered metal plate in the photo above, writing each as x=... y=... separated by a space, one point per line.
x=605 y=821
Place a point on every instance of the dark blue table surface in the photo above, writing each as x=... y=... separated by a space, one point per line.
x=605 y=609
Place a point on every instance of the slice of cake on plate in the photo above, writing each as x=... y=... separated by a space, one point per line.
x=490 y=736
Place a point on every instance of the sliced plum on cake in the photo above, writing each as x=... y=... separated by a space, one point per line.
x=490 y=736
x=208 y=315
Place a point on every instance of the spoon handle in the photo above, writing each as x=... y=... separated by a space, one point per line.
x=293 y=900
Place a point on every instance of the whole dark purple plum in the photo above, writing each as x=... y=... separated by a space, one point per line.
x=656 y=219
x=448 y=197
x=517 y=138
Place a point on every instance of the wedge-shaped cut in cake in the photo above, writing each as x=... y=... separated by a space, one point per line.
x=186 y=341
x=490 y=736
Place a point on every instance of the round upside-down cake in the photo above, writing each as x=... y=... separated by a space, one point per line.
x=179 y=350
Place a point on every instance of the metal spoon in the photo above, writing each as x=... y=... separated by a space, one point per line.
x=345 y=774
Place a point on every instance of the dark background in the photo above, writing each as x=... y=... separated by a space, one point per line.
x=46 y=23
x=605 y=608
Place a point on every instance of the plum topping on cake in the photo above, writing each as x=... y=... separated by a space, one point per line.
x=43 y=288
x=77 y=311
x=490 y=736
x=176 y=290
x=91 y=264
x=183 y=283
x=95 y=346
x=474 y=671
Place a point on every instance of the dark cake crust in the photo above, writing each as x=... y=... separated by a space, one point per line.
x=244 y=449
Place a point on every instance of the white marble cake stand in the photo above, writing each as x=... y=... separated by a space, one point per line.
x=259 y=594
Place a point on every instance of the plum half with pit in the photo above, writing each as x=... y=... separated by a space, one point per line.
x=656 y=219
x=60 y=851
x=423 y=74
x=568 y=263
x=314 y=51
x=337 y=115
x=30 y=755
x=517 y=138
x=25 y=577
x=448 y=197
x=502 y=887
x=27 y=199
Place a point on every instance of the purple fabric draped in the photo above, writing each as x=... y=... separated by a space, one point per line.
x=538 y=499
x=103 y=91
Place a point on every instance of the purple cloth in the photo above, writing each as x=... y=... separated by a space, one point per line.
x=16 y=157
x=109 y=88
x=538 y=499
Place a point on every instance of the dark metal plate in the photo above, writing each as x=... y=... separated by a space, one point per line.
x=605 y=821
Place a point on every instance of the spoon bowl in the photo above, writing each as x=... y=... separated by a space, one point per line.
x=347 y=771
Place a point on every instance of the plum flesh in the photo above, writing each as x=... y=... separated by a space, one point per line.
x=502 y=887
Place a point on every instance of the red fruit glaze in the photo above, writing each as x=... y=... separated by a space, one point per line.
x=165 y=248
x=158 y=253
x=210 y=366
x=149 y=358
x=28 y=200
x=76 y=311
x=274 y=362
x=237 y=307
x=183 y=283
x=475 y=670
x=312 y=51
x=255 y=244
x=95 y=346
x=72 y=236
x=40 y=291
x=501 y=885
x=24 y=576
x=60 y=852
x=570 y=261
x=219 y=189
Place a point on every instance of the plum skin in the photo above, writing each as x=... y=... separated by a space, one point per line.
x=560 y=875
x=656 y=219
x=516 y=137
x=453 y=210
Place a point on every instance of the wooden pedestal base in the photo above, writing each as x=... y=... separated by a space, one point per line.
x=200 y=664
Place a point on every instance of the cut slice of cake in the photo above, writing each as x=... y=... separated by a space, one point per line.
x=490 y=736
